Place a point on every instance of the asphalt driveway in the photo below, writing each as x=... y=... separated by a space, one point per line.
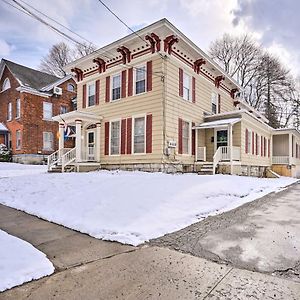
x=263 y=236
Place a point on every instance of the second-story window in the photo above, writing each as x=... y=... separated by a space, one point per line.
x=91 y=94
x=214 y=103
x=140 y=80
x=186 y=87
x=18 y=108
x=47 y=111
x=9 y=111
x=116 y=87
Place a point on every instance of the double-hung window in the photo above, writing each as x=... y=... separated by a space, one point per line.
x=47 y=110
x=91 y=94
x=116 y=87
x=214 y=103
x=185 y=137
x=47 y=140
x=18 y=139
x=9 y=111
x=18 y=108
x=63 y=109
x=115 y=138
x=140 y=80
x=186 y=87
x=139 y=135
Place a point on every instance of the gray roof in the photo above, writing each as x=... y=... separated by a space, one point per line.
x=29 y=77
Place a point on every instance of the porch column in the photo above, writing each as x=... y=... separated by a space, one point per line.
x=196 y=144
x=290 y=148
x=230 y=147
x=78 y=140
x=61 y=136
x=98 y=130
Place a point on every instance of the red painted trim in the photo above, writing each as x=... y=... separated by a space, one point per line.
x=106 y=137
x=193 y=139
x=123 y=88
x=193 y=89
x=97 y=94
x=253 y=149
x=182 y=58
x=130 y=82
x=84 y=96
x=123 y=136
x=107 y=89
x=180 y=136
x=129 y=134
x=219 y=103
x=149 y=134
x=142 y=52
x=149 y=76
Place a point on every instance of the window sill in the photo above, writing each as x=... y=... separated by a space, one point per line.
x=115 y=100
x=49 y=120
x=47 y=150
x=17 y=118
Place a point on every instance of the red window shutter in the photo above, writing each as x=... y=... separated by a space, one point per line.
x=106 y=146
x=261 y=146
x=193 y=89
x=130 y=82
x=253 y=143
x=84 y=96
x=107 y=90
x=246 y=141
x=180 y=82
x=180 y=136
x=149 y=76
x=149 y=134
x=123 y=88
x=265 y=145
x=123 y=136
x=97 y=94
x=219 y=103
x=256 y=144
x=269 y=150
x=129 y=134
x=193 y=139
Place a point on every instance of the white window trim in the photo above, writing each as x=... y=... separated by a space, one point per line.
x=217 y=102
x=71 y=84
x=190 y=87
x=19 y=115
x=87 y=94
x=109 y=136
x=9 y=111
x=20 y=147
x=190 y=139
x=134 y=79
x=47 y=119
x=4 y=83
x=111 y=87
x=132 y=134
x=48 y=149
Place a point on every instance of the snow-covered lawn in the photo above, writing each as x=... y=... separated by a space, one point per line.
x=131 y=207
x=13 y=169
x=20 y=262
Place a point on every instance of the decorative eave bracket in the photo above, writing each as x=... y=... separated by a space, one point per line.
x=198 y=63
x=78 y=73
x=154 y=42
x=232 y=92
x=218 y=80
x=169 y=41
x=126 y=54
x=101 y=64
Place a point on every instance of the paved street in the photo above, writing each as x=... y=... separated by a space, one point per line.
x=260 y=236
x=93 y=269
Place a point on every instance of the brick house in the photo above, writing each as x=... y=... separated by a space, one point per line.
x=28 y=101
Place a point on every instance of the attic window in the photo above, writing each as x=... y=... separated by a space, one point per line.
x=71 y=87
x=6 y=85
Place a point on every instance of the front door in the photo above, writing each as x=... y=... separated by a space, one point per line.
x=222 y=138
x=90 y=151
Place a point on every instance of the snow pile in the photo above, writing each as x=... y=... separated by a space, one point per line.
x=20 y=262
x=12 y=169
x=131 y=207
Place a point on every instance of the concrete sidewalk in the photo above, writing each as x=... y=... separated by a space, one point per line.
x=87 y=268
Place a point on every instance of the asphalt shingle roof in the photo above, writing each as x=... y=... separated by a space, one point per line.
x=30 y=77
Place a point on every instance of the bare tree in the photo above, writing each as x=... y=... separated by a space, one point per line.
x=60 y=55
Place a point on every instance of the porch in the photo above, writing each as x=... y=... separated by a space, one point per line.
x=218 y=142
x=85 y=128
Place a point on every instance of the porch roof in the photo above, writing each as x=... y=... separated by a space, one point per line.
x=3 y=127
x=218 y=123
x=73 y=116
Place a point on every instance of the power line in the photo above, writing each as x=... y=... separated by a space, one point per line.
x=113 y=13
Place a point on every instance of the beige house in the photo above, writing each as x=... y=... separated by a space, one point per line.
x=154 y=101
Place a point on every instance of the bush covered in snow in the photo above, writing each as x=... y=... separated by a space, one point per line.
x=5 y=154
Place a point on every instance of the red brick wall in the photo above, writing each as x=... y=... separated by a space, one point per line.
x=31 y=122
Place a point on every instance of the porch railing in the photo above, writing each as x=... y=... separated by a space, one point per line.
x=201 y=154
x=280 y=160
x=223 y=154
x=68 y=158
x=216 y=159
x=55 y=158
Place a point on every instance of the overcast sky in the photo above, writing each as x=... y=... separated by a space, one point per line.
x=275 y=23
